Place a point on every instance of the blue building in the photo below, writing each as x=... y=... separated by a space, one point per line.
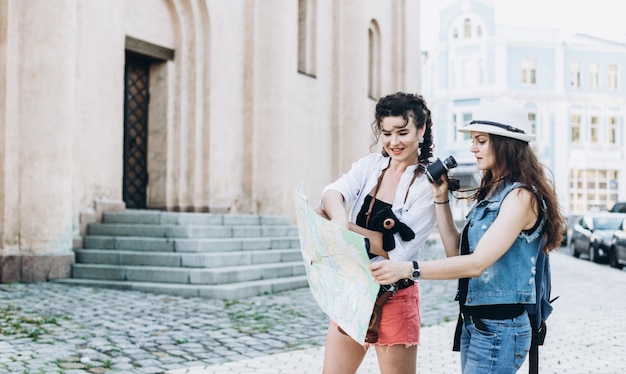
x=574 y=88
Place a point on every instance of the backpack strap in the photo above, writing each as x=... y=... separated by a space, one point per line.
x=538 y=336
x=539 y=312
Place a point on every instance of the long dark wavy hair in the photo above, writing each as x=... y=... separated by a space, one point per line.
x=516 y=160
x=406 y=105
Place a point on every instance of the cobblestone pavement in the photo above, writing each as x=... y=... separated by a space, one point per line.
x=586 y=332
x=55 y=328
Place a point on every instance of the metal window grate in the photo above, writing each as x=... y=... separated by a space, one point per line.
x=136 y=99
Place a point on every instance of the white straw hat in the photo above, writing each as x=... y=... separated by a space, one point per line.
x=502 y=118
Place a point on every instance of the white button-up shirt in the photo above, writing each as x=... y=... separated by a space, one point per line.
x=418 y=212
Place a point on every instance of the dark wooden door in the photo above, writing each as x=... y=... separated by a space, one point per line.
x=136 y=99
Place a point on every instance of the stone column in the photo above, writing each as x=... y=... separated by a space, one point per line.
x=47 y=72
x=8 y=148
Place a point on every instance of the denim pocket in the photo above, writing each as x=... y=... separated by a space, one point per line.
x=481 y=327
x=522 y=346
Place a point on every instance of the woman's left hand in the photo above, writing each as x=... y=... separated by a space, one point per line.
x=440 y=188
x=387 y=272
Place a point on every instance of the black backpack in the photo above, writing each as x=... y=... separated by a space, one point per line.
x=541 y=310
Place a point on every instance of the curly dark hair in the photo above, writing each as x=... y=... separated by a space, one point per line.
x=517 y=161
x=406 y=105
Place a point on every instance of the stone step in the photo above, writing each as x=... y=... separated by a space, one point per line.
x=178 y=275
x=220 y=245
x=181 y=218
x=210 y=255
x=230 y=291
x=189 y=231
x=190 y=260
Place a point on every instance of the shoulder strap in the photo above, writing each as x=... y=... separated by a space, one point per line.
x=533 y=355
x=541 y=310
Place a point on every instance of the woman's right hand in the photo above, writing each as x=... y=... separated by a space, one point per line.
x=388 y=272
x=322 y=213
x=440 y=189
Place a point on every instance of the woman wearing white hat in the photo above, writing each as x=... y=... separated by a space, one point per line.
x=515 y=220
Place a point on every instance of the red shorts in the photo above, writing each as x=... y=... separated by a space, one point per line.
x=400 y=322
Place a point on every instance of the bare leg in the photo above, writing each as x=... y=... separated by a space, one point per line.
x=342 y=354
x=397 y=359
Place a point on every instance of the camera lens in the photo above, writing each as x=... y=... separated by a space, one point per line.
x=438 y=168
x=450 y=163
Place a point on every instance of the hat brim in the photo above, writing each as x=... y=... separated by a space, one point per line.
x=479 y=127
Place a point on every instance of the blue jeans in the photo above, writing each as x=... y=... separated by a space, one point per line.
x=495 y=346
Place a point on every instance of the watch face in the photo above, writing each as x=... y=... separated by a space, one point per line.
x=416 y=271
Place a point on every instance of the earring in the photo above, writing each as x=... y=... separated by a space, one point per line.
x=421 y=139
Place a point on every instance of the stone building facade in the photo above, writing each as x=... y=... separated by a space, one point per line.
x=182 y=105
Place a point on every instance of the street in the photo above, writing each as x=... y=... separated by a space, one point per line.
x=53 y=328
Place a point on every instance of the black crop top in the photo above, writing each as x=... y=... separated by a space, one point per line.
x=379 y=205
x=361 y=218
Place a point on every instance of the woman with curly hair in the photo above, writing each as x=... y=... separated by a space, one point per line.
x=391 y=205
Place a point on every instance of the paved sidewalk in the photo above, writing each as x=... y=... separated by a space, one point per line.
x=54 y=328
x=57 y=328
x=586 y=333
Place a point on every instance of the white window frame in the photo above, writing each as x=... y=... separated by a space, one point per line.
x=529 y=72
x=594 y=76
x=575 y=129
x=612 y=76
x=612 y=130
x=574 y=74
x=595 y=129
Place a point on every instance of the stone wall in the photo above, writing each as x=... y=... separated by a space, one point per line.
x=232 y=125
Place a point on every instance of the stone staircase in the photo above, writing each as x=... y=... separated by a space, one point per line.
x=218 y=256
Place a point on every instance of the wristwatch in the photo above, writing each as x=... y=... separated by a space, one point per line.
x=416 y=271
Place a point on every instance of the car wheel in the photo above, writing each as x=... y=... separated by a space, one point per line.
x=613 y=260
x=592 y=254
x=573 y=250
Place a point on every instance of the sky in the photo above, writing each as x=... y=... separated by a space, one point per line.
x=601 y=18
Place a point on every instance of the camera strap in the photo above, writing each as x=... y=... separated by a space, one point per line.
x=375 y=191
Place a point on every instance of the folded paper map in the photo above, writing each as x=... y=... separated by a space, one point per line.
x=337 y=268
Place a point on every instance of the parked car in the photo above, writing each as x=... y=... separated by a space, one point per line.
x=617 y=251
x=592 y=234
x=565 y=235
x=619 y=207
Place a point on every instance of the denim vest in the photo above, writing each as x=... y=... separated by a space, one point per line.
x=511 y=279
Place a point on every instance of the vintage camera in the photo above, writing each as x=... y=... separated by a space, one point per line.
x=438 y=168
